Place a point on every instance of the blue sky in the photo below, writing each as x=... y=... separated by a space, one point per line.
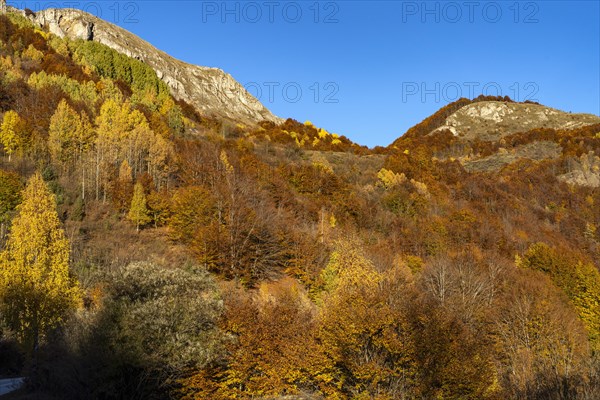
x=370 y=70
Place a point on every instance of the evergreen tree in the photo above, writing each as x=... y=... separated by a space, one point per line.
x=36 y=291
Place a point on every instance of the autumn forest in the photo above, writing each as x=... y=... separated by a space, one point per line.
x=148 y=251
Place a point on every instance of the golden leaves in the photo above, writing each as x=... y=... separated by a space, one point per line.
x=14 y=135
x=35 y=287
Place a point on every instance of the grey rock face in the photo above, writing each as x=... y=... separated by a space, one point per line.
x=212 y=91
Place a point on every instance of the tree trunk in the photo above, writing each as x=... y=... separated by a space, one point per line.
x=83 y=181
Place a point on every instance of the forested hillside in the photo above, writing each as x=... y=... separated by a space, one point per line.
x=150 y=252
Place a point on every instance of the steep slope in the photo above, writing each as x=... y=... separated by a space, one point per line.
x=212 y=91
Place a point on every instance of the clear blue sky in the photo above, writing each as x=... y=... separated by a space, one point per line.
x=372 y=69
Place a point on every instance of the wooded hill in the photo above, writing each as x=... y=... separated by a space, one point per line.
x=151 y=252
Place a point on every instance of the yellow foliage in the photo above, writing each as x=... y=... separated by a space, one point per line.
x=59 y=45
x=323 y=165
x=14 y=135
x=36 y=289
x=6 y=63
x=590 y=231
x=332 y=221
x=138 y=213
x=414 y=263
x=124 y=133
x=389 y=179
x=87 y=92
x=32 y=53
x=421 y=188
x=11 y=68
x=274 y=347
x=107 y=89
x=578 y=279
x=225 y=162
x=356 y=310
x=42 y=33
x=125 y=172
x=69 y=134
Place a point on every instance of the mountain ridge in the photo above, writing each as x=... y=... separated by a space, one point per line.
x=211 y=91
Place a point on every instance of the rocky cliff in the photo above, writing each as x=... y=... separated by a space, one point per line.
x=212 y=91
